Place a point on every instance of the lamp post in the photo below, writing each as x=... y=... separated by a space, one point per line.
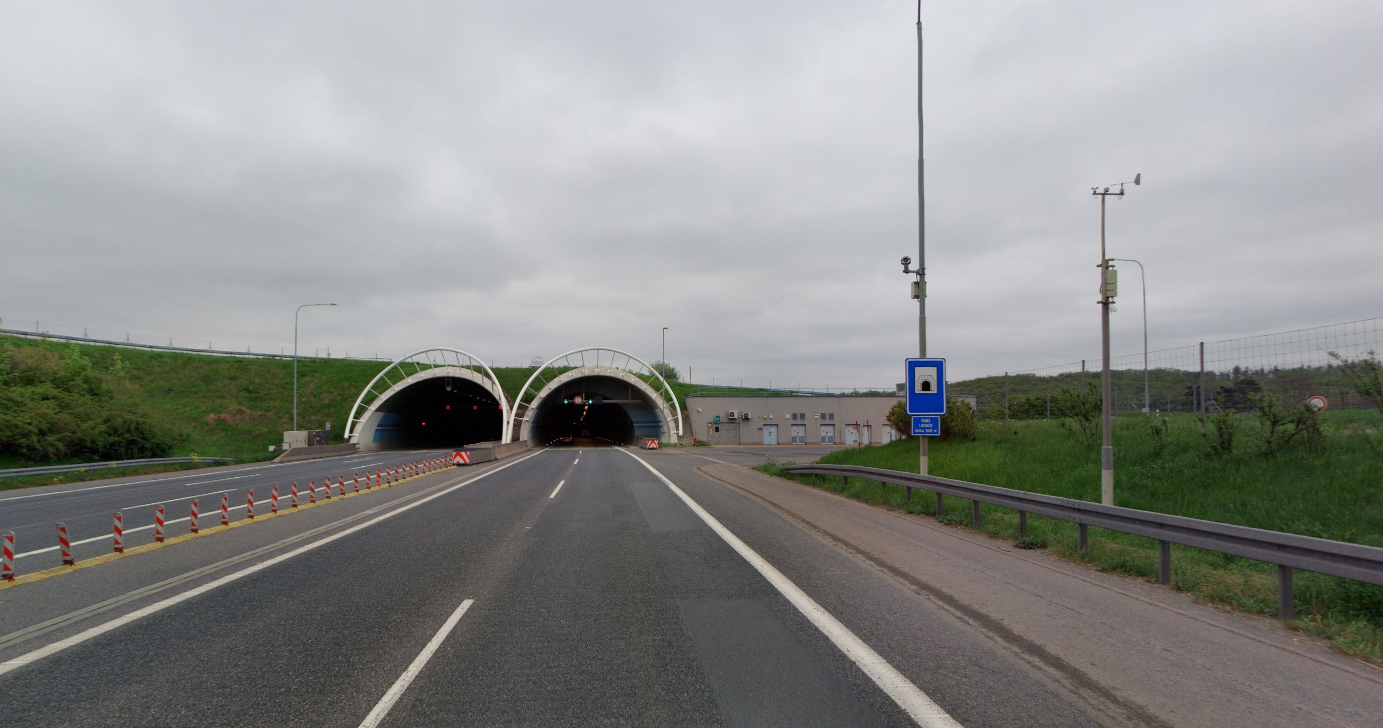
x=664 y=348
x=1108 y=290
x=295 y=358
x=1143 y=279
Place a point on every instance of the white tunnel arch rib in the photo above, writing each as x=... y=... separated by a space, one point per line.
x=410 y=370
x=595 y=361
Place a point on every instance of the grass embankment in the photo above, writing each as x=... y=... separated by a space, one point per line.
x=212 y=406
x=1336 y=494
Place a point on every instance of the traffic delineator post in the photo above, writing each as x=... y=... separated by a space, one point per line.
x=7 y=558
x=295 y=494
x=274 y=500
x=356 y=478
x=158 y=523
x=250 y=503
x=225 y=509
x=192 y=521
x=118 y=535
x=311 y=491
x=327 y=482
x=65 y=545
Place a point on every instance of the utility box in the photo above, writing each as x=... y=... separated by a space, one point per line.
x=305 y=438
x=1111 y=283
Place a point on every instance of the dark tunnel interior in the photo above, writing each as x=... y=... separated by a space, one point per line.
x=587 y=418
x=442 y=412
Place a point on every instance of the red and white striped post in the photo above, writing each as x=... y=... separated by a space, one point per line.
x=65 y=545
x=327 y=481
x=192 y=522
x=250 y=504
x=379 y=478
x=225 y=509
x=294 y=494
x=118 y=539
x=274 y=500
x=7 y=559
x=342 y=478
x=356 y=478
x=311 y=491
x=158 y=523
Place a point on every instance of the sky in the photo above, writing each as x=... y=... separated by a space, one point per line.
x=518 y=179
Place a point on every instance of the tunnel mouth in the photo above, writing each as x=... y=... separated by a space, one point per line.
x=594 y=411
x=437 y=413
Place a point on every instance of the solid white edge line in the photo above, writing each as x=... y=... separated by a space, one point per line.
x=396 y=691
x=908 y=696
x=100 y=629
x=576 y=461
x=554 y=490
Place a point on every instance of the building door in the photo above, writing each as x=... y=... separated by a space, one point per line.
x=828 y=434
x=887 y=435
x=866 y=435
x=799 y=434
x=770 y=434
x=852 y=435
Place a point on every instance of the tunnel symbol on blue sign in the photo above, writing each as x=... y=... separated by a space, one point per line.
x=926 y=386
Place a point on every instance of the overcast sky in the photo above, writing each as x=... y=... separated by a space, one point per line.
x=517 y=179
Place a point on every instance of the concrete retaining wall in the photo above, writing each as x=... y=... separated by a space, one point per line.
x=318 y=451
x=484 y=452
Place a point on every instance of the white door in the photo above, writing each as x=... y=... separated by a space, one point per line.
x=852 y=435
x=868 y=440
x=770 y=434
x=887 y=435
x=799 y=434
x=828 y=434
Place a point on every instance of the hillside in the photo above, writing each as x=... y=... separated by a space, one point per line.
x=209 y=405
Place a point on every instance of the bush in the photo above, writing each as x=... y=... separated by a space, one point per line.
x=959 y=422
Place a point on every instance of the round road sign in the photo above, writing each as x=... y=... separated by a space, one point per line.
x=1317 y=403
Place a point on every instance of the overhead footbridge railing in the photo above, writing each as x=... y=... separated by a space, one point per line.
x=420 y=365
x=1286 y=550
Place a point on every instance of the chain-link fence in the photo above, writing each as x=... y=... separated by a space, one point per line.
x=1206 y=376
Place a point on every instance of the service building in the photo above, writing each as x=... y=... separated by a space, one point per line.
x=791 y=420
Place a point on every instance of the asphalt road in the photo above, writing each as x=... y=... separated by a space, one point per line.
x=575 y=587
x=607 y=601
x=87 y=509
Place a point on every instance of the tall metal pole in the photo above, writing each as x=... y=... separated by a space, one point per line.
x=1107 y=450
x=1143 y=280
x=921 y=234
x=295 y=358
x=664 y=348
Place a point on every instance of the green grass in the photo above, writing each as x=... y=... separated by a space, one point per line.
x=81 y=476
x=1337 y=495
x=238 y=407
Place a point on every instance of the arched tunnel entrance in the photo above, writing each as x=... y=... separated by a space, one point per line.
x=434 y=413
x=431 y=399
x=593 y=410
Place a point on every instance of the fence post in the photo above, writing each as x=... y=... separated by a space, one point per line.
x=1022 y=524
x=940 y=506
x=1286 y=606
x=909 y=489
x=1164 y=562
x=1201 y=406
x=974 y=513
x=1083 y=536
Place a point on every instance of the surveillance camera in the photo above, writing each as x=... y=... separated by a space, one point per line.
x=907 y=261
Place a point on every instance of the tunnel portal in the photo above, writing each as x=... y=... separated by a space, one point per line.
x=440 y=412
x=593 y=410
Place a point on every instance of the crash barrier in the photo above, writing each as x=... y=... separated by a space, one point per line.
x=1287 y=551
x=484 y=452
x=397 y=475
x=46 y=469
x=313 y=452
x=648 y=443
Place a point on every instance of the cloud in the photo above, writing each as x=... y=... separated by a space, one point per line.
x=518 y=179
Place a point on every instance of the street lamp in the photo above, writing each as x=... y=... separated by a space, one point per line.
x=1143 y=279
x=664 y=349
x=1108 y=289
x=295 y=358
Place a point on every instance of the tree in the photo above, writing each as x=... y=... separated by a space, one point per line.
x=668 y=371
x=899 y=418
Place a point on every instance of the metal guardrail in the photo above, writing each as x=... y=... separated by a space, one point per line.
x=180 y=349
x=46 y=469
x=1286 y=550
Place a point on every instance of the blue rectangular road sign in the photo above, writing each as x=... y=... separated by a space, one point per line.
x=926 y=386
x=926 y=425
